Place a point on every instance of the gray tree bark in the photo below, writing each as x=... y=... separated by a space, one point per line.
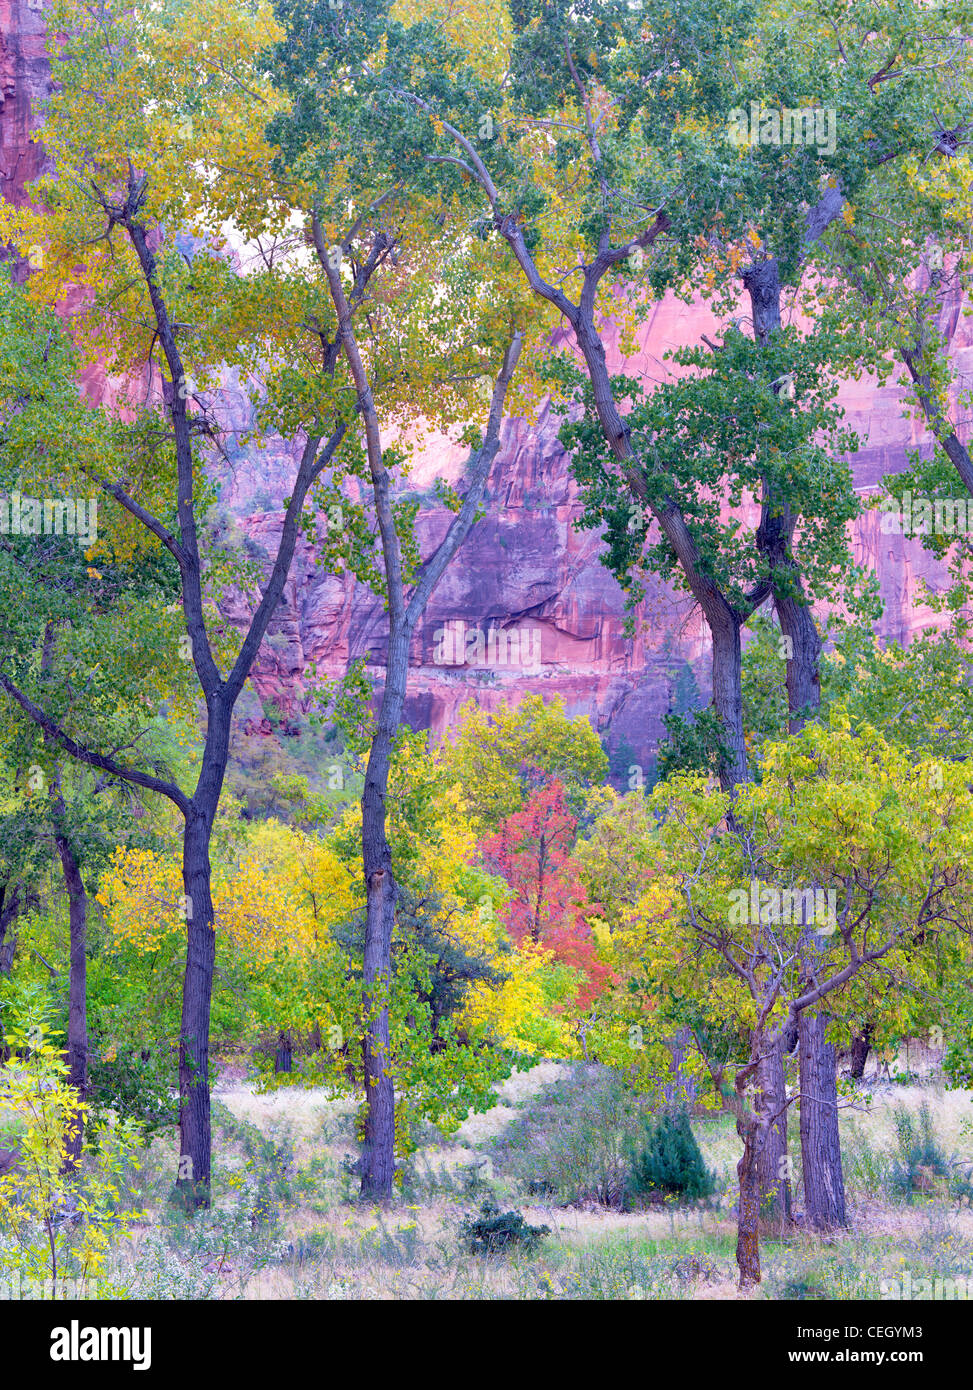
x=824 y=1187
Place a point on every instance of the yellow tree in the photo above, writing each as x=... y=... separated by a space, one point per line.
x=845 y=859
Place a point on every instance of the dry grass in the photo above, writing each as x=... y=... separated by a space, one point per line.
x=325 y=1245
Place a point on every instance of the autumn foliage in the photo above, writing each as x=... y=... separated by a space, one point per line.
x=533 y=852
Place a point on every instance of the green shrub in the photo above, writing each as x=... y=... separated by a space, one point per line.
x=494 y=1230
x=668 y=1160
x=573 y=1140
x=865 y=1163
x=136 y=1083
x=919 y=1158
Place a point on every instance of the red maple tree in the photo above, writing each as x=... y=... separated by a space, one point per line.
x=532 y=850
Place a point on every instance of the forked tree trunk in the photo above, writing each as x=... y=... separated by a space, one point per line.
x=821 y=1151
x=378 y=1149
x=824 y=1187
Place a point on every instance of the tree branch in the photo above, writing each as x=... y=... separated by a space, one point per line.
x=85 y=755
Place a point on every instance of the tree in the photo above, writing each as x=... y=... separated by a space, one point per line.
x=58 y=610
x=406 y=602
x=122 y=181
x=532 y=850
x=496 y=758
x=846 y=819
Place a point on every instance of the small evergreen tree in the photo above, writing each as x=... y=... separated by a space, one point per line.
x=669 y=1160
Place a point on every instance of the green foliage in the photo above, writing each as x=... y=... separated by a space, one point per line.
x=668 y=1159
x=692 y=745
x=493 y=1231
x=703 y=443
x=573 y=1142
x=496 y=758
x=135 y=1083
x=919 y=1157
x=55 y=1224
x=424 y=927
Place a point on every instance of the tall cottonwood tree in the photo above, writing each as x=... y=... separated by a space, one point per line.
x=120 y=143
x=56 y=610
x=406 y=604
x=456 y=337
x=887 y=102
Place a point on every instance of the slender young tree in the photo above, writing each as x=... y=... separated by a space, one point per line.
x=406 y=605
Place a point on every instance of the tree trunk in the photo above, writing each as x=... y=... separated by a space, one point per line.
x=804 y=661
x=728 y=699
x=773 y=1167
x=10 y=905
x=824 y=1188
x=861 y=1046
x=77 y=991
x=378 y=1150
x=195 y=1148
x=284 y=1060
x=748 y=1210
x=77 y=1041
x=682 y=1089
x=761 y=280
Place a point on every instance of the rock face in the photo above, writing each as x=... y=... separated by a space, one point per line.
x=24 y=83
x=527 y=605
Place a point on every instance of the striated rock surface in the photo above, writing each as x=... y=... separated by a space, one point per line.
x=24 y=84
x=527 y=605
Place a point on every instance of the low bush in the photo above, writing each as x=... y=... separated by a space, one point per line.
x=493 y=1230
x=572 y=1143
